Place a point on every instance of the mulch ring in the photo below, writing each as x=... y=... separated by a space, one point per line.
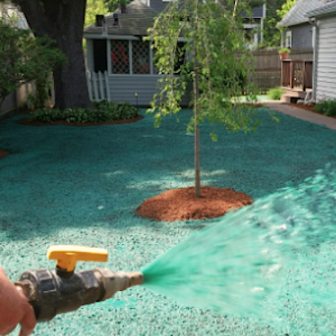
x=181 y=204
x=29 y=122
x=3 y=153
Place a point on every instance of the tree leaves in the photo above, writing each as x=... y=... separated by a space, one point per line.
x=223 y=61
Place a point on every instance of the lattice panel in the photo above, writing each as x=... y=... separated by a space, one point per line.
x=141 y=58
x=120 y=57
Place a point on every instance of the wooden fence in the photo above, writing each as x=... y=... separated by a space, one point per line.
x=268 y=67
x=20 y=97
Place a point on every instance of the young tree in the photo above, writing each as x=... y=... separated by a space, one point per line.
x=24 y=58
x=218 y=61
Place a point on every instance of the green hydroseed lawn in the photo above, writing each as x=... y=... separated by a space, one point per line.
x=81 y=185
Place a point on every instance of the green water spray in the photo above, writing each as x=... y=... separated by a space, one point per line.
x=240 y=263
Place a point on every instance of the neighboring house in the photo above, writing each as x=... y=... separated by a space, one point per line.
x=324 y=73
x=251 y=24
x=298 y=32
x=117 y=47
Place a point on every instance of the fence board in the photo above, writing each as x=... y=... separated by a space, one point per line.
x=268 y=67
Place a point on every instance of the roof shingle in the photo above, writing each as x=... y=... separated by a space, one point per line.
x=136 y=21
x=298 y=12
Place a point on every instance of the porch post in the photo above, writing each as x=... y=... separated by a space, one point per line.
x=304 y=75
x=282 y=73
x=291 y=76
x=130 y=57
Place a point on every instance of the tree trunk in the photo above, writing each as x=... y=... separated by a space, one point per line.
x=63 y=21
x=197 y=135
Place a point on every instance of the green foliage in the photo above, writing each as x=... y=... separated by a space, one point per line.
x=94 y=7
x=104 y=111
x=275 y=93
x=284 y=51
x=271 y=33
x=40 y=97
x=24 y=58
x=285 y=8
x=326 y=107
x=216 y=47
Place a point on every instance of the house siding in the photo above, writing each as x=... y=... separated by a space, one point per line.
x=326 y=66
x=158 y=5
x=302 y=36
x=124 y=87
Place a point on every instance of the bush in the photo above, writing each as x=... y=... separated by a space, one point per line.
x=284 y=51
x=326 y=107
x=24 y=58
x=275 y=93
x=104 y=111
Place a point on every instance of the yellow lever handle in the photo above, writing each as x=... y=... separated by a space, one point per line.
x=68 y=255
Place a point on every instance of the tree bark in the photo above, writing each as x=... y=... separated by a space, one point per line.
x=197 y=134
x=63 y=21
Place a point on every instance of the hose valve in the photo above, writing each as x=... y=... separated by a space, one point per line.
x=65 y=290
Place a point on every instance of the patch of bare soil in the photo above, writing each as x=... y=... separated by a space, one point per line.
x=29 y=122
x=181 y=204
x=3 y=154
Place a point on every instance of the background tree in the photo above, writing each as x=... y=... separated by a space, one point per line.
x=271 y=33
x=62 y=21
x=275 y=11
x=24 y=58
x=217 y=59
x=285 y=8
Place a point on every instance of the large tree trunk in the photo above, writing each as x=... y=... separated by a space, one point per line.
x=70 y=80
x=63 y=21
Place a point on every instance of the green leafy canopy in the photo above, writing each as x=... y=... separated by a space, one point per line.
x=24 y=58
x=215 y=46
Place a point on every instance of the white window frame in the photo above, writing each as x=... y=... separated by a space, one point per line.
x=313 y=36
x=288 y=39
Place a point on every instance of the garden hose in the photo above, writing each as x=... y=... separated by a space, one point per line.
x=65 y=290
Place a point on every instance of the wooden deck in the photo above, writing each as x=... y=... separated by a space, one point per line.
x=296 y=78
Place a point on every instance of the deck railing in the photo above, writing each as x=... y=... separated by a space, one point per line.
x=297 y=74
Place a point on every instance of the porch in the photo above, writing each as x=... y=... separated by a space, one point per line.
x=296 y=79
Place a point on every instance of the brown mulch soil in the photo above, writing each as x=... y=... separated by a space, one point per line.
x=181 y=204
x=29 y=122
x=3 y=153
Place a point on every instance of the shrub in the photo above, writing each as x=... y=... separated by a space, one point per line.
x=275 y=93
x=326 y=107
x=24 y=58
x=284 y=51
x=104 y=111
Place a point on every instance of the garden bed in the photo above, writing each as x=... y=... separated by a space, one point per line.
x=310 y=108
x=30 y=122
x=3 y=153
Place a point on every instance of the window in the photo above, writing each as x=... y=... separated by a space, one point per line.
x=120 y=57
x=288 y=41
x=140 y=57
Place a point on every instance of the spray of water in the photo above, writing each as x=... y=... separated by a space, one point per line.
x=244 y=261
